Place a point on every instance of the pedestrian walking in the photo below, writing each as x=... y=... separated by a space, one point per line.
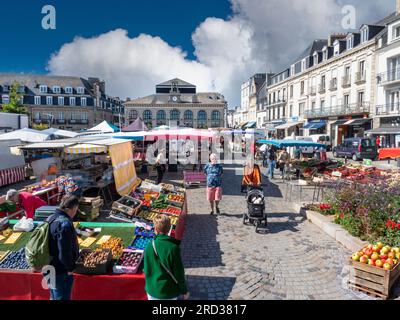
x=283 y=161
x=63 y=247
x=214 y=171
x=271 y=161
x=163 y=267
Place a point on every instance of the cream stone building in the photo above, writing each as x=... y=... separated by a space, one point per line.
x=177 y=103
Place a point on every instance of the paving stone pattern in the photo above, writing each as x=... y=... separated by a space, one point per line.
x=291 y=259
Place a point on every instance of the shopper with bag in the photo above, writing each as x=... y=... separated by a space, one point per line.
x=163 y=267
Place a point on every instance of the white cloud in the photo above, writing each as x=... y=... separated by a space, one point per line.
x=261 y=35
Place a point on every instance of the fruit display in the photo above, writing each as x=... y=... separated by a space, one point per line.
x=379 y=256
x=172 y=210
x=116 y=245
x=93 y=258
x=147 y=215
x=175 y=198
x=15 y=260
x=167 y=187
x=140 y=242
x=129 y=261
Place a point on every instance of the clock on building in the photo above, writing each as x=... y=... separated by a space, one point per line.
x=174 y=98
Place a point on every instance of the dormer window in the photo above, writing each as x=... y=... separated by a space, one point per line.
x=292 y=70
x=304 y=65
x=364 y=34
x=315 y=57
x=68 y=90
x=325 y=54
x=56 y=89
x=43 y=89
x=80 y=90
x=350 y=43
x=396 y=32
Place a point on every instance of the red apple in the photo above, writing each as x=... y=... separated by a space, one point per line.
x=379 y=263
x=387 y=266
x=375 y=248
x=364 y=259
x=370 y=246
x=390 y=261
x=391 y=255
x=368 y=252
x=375 y=256
x=383 y=261
x=371 y=262
x=383 y=256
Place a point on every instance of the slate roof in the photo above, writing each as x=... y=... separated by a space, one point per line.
x=180 y=82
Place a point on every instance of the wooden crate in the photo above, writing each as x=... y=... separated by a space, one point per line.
x=373 y=280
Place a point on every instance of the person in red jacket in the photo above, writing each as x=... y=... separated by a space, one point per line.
x=26 y=201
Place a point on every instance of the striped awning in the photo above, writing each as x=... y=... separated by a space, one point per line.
x=85 y=149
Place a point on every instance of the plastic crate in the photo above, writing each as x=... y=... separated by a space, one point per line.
x=118 y=268
x=140 y=243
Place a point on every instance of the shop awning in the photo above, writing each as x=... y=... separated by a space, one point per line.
x=389 y=130
x=288 y=125
x=251 y=125
x=85 y=149
x=292 y=143
x=357 y=122
x=315 y=125
x=339 y=122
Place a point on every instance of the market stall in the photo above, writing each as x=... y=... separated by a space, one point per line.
x=120 y=276
x=389 y=153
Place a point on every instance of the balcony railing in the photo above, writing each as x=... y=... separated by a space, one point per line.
x=388 y=109
x=277 y=102
x=333 y=85
x=346 y=81
x=72 y=121
x=341 y=110
x=313 y=91
x=61 y=121
x=84 y=121
x=389 y=76
x=322 y=88
x=361 y=77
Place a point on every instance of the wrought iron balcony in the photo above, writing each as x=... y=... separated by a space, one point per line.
x=389 y=77
x=388 y=109
x=313 y=90
x=346 y=81
x=341 y=110
x=61 y=121
x=361 y=77
x=277 y=102
x=333 y=85
x=84 y=121
x=72 y=121
x=322 y=88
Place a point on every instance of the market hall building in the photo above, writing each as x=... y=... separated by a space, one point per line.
x=177 y=103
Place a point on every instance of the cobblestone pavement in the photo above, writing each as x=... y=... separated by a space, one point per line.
x=292 y=259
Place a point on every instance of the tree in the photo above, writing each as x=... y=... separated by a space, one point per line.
x=14 y=105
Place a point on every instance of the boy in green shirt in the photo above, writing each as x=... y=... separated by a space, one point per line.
x=163 y=267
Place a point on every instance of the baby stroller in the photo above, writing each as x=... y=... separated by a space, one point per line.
x=255 y=207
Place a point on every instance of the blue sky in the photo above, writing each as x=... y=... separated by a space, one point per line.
x=27 y=47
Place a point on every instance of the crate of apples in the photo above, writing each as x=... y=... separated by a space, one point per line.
x=378 y=255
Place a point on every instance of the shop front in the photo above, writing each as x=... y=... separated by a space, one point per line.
x=349 y=128
x=388 y=132
x=270 y=128
x=288 y=129
x=315 y=127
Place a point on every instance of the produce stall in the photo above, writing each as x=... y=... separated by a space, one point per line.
x=119 y=276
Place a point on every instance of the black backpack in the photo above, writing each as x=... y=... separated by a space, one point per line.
x=271 y=155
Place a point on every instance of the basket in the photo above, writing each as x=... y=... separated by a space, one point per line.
x=127 y=205
x=98 y=269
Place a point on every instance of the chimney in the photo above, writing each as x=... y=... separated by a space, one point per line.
x=398 y=7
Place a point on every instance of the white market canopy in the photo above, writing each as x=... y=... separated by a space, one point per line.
x=61 y=133
x=26 y=135
x=104 y=127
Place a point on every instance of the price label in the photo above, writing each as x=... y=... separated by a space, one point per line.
x=13 y=238
x=88 y=242
x=103 y=239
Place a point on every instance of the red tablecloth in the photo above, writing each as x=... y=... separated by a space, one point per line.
x=28 y=286
x=389 y=153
